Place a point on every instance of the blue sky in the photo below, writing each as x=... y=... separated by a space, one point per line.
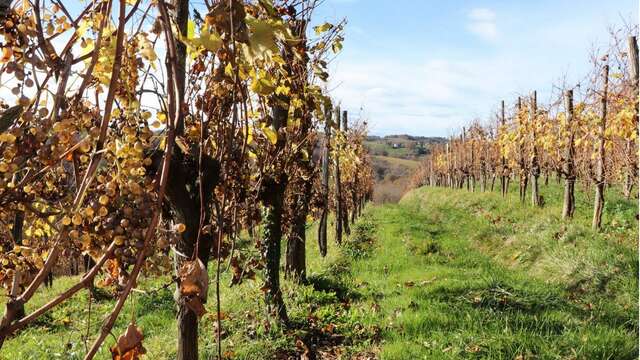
x=427 y=67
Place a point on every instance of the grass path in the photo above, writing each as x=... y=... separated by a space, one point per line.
x=461 y=275
x=445 y=274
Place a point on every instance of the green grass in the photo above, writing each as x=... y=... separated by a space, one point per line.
x=444 y=274
x=476 y=276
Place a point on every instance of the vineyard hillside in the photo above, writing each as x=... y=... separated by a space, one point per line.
x=394 y=159
x=444 y=274
x=243 y=179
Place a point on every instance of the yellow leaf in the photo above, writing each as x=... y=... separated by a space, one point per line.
x=182 y=144
x=271 y=135
x=283 y=90
x=262 y=37
x=228 y=70
x=322 y=28
x=208 y=40
x=191 y=29
x=119 y=240
x=263 y=86
x=7 y=137
x=82 y=28
x=250 y=136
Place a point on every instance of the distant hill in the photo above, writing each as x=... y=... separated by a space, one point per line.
x=401 y=146
x=395 y=158
x=429 y=139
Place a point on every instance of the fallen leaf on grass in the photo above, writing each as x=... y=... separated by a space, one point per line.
x=473 y=349
x=427 y=282
x=329 y=328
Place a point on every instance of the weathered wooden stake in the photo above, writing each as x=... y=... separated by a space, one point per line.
x=630 y=146
x=524 y=176
x=535 y=163
x=338 y=185
x=503 y=160
x=322 y=226
x=343 y=197
x=598 y=204
x=569 y=171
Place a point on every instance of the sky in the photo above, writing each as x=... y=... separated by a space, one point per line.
x=427 y=67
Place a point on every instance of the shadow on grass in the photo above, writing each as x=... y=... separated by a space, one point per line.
x=330 y=284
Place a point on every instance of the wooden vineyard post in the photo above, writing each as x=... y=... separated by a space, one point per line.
x=454 y=170
x=535 y=162
x=471 y=167
x=630 y=145
x=431 y=177
x=343 y=196
x=490 y=157
x=463 y=159
x=448 y=157
x=598 y=204
x=483 y=166
x=338 y=186
x=569 y=171
x=322 y=226
x=524 y=176
x=503 y=160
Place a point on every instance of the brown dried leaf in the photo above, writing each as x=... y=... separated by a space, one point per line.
x=129 y=345
x=194 y=283
x=194 y=279
x=195 y=304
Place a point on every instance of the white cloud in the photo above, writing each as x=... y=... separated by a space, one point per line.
x=486 y=30
x=482 y=22
x=482 y=14
x=436 y=94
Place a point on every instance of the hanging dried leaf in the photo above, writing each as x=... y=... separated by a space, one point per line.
x=129 y=345
x=195 y=304
x=194 y=284
x=112 y=273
